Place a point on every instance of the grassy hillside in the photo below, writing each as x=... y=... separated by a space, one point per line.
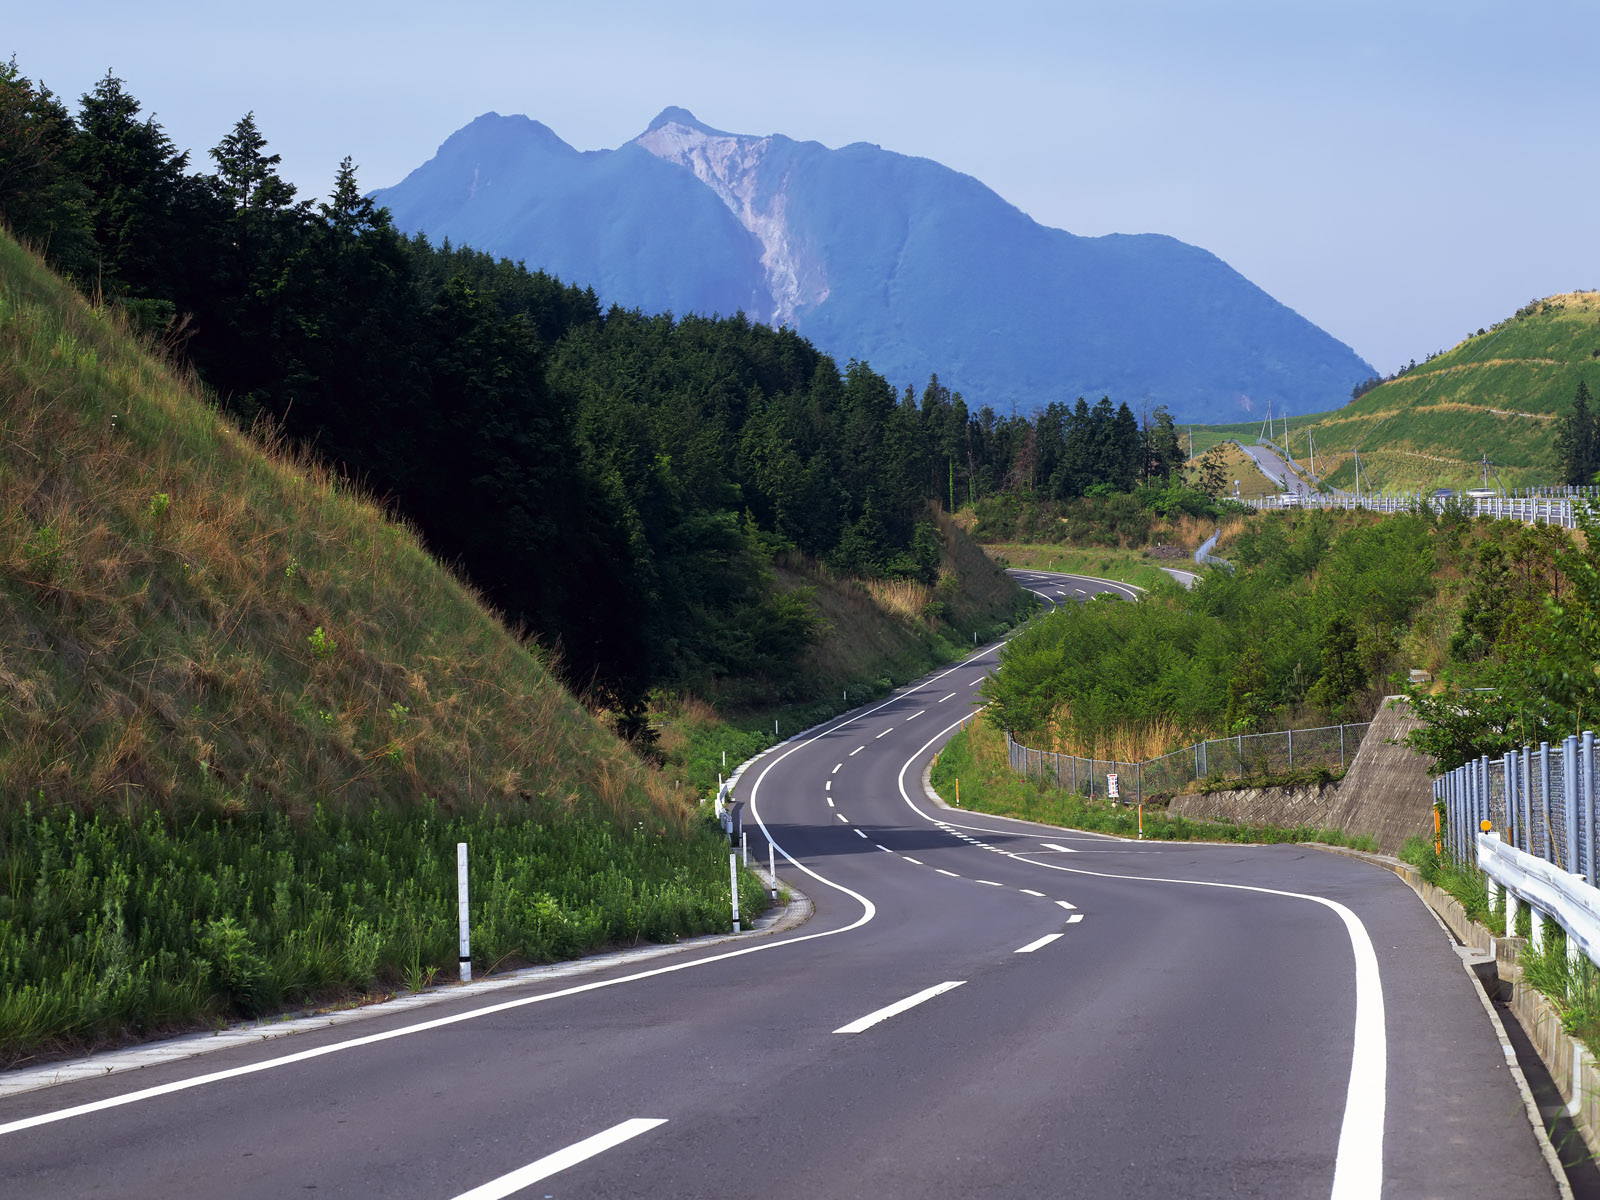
x=244 y=718
x=1501 y=392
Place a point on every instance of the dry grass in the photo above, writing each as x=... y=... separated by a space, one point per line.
x=1126 y=743
x=903 y=598
x=164 y=576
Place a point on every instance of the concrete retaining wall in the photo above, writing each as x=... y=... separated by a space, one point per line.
x=1311 y=805
x=1387 y=794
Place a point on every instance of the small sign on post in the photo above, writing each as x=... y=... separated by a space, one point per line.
x=1111 y=785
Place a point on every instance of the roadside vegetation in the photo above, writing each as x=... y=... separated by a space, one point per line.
x=244 y=719
x=1309 y=629
x=1572 y=987
x=976 y=759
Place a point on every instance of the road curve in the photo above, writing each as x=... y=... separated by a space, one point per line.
x=978 y=1006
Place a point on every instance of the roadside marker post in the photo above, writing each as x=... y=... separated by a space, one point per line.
x=461 y=905
x=772 y=868
x=733 y=886
x=744 y=846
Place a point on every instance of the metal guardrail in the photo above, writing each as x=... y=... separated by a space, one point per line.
x=1542 y=508
x=1540 y=807
x=1216 y=758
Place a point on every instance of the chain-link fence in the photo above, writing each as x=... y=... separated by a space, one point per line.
x=1249 y=754
x=1541 y=800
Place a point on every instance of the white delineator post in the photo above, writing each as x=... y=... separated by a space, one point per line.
x=461 y=904
x=744 y=846
x=733 y=885
x=772 y=868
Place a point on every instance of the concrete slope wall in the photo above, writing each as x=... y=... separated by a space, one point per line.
x=1388 y=791
x=1386 y=795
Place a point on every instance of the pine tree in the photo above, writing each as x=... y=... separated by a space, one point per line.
x=1578 y=442
x=246 y=177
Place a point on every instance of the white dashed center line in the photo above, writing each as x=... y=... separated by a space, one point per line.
x=842 y=817
x=1038 y=945
x=916 y=714
x=855 y=752
x=942 y=871
x=885 y=733
x=988 y=883
x=828 y=786
x=898 y=1007
x=909 y=859
x=859 y=834
x=1074 y=918
x=836 y=767
x=885 y=849
x=942 y=699
x=1031 y=892
x=829 y=799
x=1066 y=904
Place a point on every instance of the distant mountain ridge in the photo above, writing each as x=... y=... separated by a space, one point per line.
x=898 y=261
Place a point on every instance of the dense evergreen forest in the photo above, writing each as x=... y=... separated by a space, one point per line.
x=614 y=481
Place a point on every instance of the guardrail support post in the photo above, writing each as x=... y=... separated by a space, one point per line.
x=1569 y=798
x=1511 y=903
x=1586 y=805
x=1548 y=850
x=1536 y=923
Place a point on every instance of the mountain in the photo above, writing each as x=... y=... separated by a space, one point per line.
x=898 y=261
x=1500 y=392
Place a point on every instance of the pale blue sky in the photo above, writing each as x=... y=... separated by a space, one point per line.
x=1400 y=173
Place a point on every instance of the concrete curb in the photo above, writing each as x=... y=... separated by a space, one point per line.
x=796 y=912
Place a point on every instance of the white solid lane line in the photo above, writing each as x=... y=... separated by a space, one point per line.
x=1038 y=945
x=942 y=699
x=942 y=871
x=1066 y=904
x=885 y=733
x=855 y=752
x=898 y=1007
x=574 y=1154
x=1031 y=892
x=1063 y=849
x=916 y=714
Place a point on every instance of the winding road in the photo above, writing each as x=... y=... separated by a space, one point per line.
x=978 y=1006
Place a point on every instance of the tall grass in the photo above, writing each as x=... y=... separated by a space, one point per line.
x=114 y=927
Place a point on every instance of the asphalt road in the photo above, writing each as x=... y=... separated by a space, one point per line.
x=978 y=1006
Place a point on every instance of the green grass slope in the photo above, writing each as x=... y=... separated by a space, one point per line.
x=244 y=718
x=1501 y=393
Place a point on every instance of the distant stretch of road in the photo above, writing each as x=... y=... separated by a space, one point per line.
x=978 y=1007
x=1274 y=468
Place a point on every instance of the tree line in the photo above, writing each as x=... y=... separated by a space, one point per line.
x=613 y=481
